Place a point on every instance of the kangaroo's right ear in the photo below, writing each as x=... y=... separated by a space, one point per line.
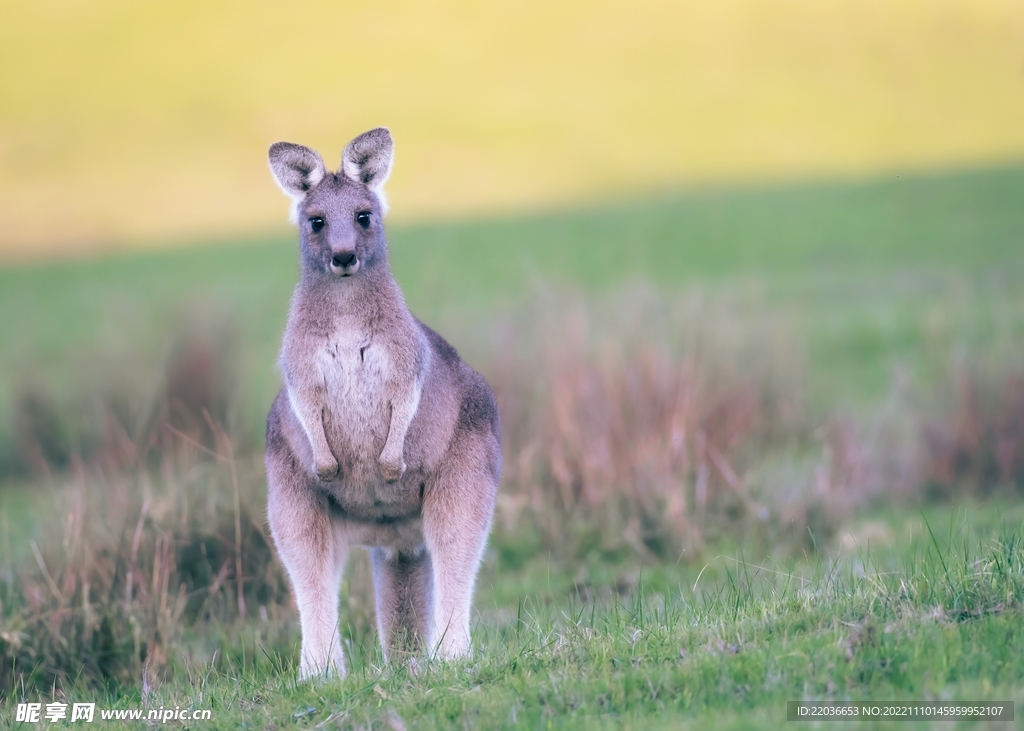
x=296 y=169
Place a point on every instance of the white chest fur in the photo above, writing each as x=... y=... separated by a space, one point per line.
x=355 y=370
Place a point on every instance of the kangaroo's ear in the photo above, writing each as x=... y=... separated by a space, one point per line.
x=296 y=169
x=367 y=158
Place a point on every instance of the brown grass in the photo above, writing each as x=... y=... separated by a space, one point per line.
x=127 y=560
x=976 y=443
x=635 y=423
x=117 y=418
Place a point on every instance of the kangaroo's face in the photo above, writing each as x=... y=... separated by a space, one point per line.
x=340 y=226
x=339 y=215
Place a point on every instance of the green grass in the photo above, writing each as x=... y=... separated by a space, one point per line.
x=935 y=615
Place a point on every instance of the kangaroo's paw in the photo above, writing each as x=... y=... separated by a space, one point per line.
x=326 y=469
x=392 y=469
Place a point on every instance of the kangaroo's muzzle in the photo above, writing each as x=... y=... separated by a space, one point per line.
x=344 y=263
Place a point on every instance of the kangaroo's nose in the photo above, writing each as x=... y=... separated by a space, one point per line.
x=344 y=259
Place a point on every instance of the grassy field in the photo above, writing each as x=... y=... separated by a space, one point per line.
x=842 y=520
x=931 y=612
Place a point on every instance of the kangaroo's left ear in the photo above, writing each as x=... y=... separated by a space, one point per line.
x=367 y=158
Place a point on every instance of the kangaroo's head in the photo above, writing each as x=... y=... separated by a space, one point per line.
x=339 y=215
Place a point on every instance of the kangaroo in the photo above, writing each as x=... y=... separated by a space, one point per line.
x=381 y=436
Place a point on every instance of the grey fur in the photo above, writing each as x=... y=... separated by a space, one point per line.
x=381 y=437
x=297 y=169
x=367 y=159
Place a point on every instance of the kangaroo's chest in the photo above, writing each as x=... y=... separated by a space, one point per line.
x=356 y=370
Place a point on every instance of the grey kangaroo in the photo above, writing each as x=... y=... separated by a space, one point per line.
x=381 y=436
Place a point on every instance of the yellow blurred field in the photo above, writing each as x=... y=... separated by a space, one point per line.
x=127 y=122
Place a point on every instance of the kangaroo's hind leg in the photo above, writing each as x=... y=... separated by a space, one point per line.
x=457 y=509
x=314 y=556
x=403 y=588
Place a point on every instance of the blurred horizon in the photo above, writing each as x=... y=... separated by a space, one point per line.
x=124 y=125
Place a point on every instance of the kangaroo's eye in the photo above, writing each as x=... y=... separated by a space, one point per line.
x=316 y=223
x=363 y=219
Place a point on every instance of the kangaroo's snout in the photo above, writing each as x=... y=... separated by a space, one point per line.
x=344 y=263
x=344 y=259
